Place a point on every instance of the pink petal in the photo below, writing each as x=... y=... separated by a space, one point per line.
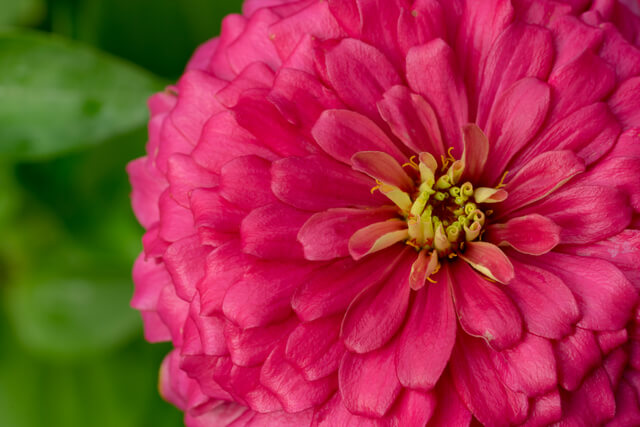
x=622 y=173
x=317 y=183
x=532 y=234
x=368 y=382
x=379 y=25
x=624 y=103
x=342 y=133
x=514 y=119
x=245 y=182
x=256 y=75
x=315 y=347
x=185 y=175
x=232 y=26
x=623 y=250
x=540 y=177
x=211 y=333
x=253 y=43
x=483 y=308
x=450 y=410
x=375 y=315
x=480 y=387
x=211 y=210
x=294 y=392
x=176 y=222
x=424 y=266
x=147 y=184
x=185 y=262
x=546 y=304
x=424 y=22
x=585 y=80
x=412 y=120
x=200 y=58
x=316 y=19
x=223 y=140
x=331 y=289
x=301 y=97
x=616 y=46
x=610 y=340
x=480 y=25
x=432 y=71
x=627 y=407
x=359 y=73
x=249 y=347
x=428 y=336
x=528 y=368
x=545 y=410
x=173 y=312
x=605 y=297
x=596 y=135
x=149 y=277
x=225 y=266
x=412 y=408
x=520 y=51
x=263 y=294
x=261 y=118
x=271 y=232
x=573 y=37
x=627 y=145
x=585 y=214
x=376 y=237
x=592 y=404
x=489 y=260
x=334 y=413
x=326 y=234
x=615 y=363
x=476 y=151
x=195 y=104
x=383 y=167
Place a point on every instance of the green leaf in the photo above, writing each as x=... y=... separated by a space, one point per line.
x=68 y=318
x=21 y=12
x=160 y=35
x=60 y=95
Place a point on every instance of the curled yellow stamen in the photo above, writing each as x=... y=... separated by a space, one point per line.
x=445 y=162
x=413 y=244
x=412 y=163
x=453 y=159
x=501 y=183
x=431 y=280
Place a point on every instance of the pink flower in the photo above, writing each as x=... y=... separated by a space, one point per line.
x=393 y=213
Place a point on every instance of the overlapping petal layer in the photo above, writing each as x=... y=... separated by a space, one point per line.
x=368 y=212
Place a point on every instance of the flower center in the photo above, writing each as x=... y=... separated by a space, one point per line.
x=443 y=211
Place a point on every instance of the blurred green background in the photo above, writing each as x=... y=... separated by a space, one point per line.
x=74 y=79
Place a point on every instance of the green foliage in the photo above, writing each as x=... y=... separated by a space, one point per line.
x=60 y=95
x=21 y=12
x=74 y=90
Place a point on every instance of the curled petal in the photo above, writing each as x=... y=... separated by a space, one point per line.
x=376 y=237
x=489 y=260
x=489 y=195
x=424 y=266
x=326 y=234
x=532 y=234
x=382 y=167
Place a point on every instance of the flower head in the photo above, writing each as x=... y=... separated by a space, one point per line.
x=398 y=213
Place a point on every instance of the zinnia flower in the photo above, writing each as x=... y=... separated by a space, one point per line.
x=398 y=213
